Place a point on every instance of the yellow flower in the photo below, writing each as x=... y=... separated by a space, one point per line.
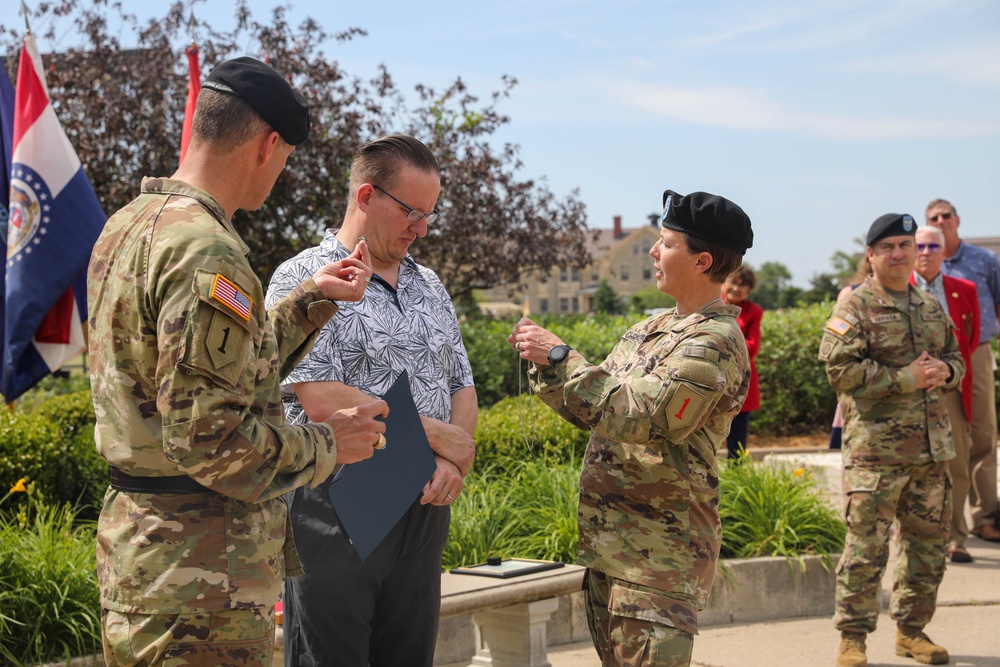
x=800 y=471
x=19 y=487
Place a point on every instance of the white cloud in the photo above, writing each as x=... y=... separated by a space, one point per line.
x=741 y=108
x=977 y=65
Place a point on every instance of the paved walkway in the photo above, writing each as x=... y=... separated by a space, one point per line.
x=967 y=621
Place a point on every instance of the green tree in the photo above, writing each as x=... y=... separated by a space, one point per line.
x=121 y=95
x=772 y=285
x=649 y=298
x=606 y=300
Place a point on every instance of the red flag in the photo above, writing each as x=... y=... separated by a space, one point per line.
x=194 y=87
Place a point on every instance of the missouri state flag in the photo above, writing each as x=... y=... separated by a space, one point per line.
x=54 y=219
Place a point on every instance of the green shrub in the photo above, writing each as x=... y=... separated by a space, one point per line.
x=49 y=600
x=53 y=447
x=52 y=385
x=524 y=509
x=522 y=427
x=495 y=365
x=87 y=478
x=795 y=396
x=769 y=510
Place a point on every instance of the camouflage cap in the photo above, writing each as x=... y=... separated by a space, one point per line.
x=891 y=224
x=267 y=92
x=708 y=217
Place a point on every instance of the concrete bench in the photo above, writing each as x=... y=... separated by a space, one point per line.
x=510 y=616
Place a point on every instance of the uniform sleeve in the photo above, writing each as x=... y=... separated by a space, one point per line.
x=952 y=355
x=297 y=319
x=666 y=399
x=849 y=367
x=217 y=375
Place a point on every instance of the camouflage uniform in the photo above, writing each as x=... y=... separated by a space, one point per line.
x=658 y=408
x=898 y=439
x=185 y=377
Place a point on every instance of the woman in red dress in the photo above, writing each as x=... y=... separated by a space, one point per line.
x=736 y=291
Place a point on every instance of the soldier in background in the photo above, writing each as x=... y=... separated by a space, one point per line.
x=890 y=348
x=186 y=365
x=658 y=409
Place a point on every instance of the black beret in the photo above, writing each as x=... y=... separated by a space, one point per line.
x=709 y=218
x=891 y=224
x=267 y=92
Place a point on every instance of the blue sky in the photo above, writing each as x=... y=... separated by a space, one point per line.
x=815 y=117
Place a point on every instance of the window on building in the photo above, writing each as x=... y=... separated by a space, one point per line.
x=562 y=275
x=635 y=248
x=543 y=305
x=593 y=273
x=575 y=275
x=647 y=273
x=576 y=304
x=646 y=245
x=624 y=272
x=564 y=305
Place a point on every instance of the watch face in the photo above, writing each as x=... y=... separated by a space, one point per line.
x=558 y=353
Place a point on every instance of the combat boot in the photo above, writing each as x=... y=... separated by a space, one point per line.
x=852 y=650
x=913 y=643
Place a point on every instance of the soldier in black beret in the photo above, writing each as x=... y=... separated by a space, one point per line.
x=891 y=353
x=658 y=407
x=192 y=548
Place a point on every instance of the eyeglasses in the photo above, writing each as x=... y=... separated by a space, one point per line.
x=942 y=216
x=412 y=214
x=931 y=247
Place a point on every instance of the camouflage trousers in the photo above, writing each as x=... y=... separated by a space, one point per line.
x=919 y=497
x=626 y=641
x=232 y=638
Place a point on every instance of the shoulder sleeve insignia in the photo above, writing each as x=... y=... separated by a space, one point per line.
x=228 y=294
x=838 y=325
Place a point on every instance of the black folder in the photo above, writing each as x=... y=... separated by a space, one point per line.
x=371 y=496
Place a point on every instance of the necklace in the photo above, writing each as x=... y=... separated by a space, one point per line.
x=520 y=407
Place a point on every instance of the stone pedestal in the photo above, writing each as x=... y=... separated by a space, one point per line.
x=514 y=636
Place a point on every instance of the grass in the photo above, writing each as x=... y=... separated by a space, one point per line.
x=49 y=601
x=522 y=510
x=769 y=510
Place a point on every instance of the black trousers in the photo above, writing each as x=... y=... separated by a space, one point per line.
x=738 y=433
x=382 y=612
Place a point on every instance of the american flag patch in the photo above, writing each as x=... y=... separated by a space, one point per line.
x=838 y=325
x=231 y=296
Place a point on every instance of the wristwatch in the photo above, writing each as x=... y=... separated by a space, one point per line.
x=558 y=354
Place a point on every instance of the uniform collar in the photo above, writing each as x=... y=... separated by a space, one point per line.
x=170 y=186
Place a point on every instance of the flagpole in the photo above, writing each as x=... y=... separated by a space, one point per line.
x=24 y=11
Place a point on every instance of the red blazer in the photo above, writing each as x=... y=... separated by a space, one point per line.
x=963 y=307
x=749 y=321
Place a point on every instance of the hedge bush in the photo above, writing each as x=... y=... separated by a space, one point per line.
x=495 y=366
x=524 y=428
x=53 y=447
x=795 y=396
